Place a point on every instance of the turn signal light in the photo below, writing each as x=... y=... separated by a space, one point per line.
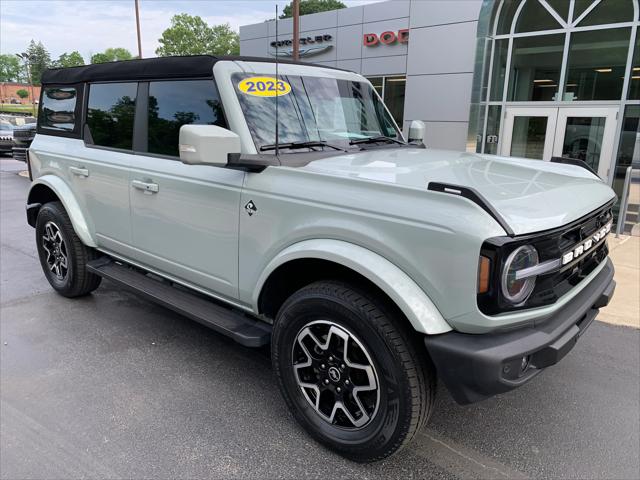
x=484 y=268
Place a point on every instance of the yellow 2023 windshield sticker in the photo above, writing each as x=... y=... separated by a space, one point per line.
x=264 y=87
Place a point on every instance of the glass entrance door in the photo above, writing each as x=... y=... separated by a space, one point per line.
x=587 y=134
x=527 y=132
x=582 y=133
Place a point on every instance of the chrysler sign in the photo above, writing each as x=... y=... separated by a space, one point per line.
x=310 y=45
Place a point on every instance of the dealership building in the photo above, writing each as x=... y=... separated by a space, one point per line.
x=529 y=78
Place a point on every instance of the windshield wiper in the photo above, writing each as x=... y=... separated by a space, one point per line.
x=376 y=139
x=304 y=144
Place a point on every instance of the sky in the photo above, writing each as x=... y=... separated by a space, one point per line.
x=91 y=26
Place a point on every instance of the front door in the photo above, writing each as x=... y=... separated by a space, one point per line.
x=185 y=221
x=584 y=133
x=184 y=218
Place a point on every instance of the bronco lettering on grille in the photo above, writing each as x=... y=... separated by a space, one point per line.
x=585 y=245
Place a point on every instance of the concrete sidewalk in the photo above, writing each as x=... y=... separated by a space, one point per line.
x=624 y=308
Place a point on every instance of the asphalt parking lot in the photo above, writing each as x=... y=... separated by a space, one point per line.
x=112 y=386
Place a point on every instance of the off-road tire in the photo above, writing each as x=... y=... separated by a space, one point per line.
x=77 y=281
x=406 y=377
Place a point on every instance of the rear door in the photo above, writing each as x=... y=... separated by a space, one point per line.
x=184 y=217
x=89 y=134
x=102 y=172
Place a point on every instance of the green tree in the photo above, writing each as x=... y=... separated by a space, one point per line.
x=111 y=55
x=10 y=69
x=191 y=35
x=73 y=59
x=39 y=60
x=312 y=6
x=22 y=93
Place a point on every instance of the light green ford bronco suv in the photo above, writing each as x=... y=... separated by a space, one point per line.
x=281 y=205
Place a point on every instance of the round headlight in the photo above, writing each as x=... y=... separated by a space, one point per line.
x=517 y=291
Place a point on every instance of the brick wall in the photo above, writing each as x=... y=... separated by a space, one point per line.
x=8 y=91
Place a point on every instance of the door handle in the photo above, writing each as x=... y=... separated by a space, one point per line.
x=145 y=187
x=80 y=172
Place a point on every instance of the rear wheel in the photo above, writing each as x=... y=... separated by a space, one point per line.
x=350 y=371
x=62 y=254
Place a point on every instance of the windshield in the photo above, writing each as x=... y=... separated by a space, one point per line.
x=311 y=109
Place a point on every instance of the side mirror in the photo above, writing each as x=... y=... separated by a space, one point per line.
x=416 y=131
x=207 y=144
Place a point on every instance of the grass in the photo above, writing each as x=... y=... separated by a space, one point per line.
x=13 y=108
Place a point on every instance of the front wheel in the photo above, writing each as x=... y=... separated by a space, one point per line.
x=350 y=372
x=62 y=254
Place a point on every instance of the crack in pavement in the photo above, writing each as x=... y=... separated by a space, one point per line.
x=462 y=461
x=6 y=246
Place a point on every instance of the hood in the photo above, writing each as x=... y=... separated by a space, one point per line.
x=26 y=126
x=531 y=195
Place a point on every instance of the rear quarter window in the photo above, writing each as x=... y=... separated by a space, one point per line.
x=60 y=111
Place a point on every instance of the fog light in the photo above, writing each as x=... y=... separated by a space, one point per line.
x=524 y=364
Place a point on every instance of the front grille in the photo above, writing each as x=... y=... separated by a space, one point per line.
x=550 y=245
x=554 y=285
x=26 y=134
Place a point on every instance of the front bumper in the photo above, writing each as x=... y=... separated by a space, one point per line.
x=19 y=154
x=474 y=367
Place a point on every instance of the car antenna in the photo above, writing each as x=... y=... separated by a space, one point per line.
x=277 y=93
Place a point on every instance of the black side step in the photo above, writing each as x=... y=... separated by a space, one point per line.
x=241 y=328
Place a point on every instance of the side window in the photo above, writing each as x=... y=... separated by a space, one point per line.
x=58 y=111
x=110 y=114
x=176 y=103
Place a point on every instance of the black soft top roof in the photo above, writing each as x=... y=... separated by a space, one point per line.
x=147 y=68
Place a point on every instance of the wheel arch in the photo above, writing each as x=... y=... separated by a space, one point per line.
x=50 y=188
x=311 y=260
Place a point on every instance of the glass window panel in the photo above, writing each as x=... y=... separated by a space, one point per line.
x=500 y=52
x=561 y=7
x=535 y=17
x=528 y=137
x=110 y=114
x=634 y=81
x=609 y=11
x=173 y=104
x=483 y=57
x=58 y=109
x=535 y=68
x=377 y=84
x=507 y=13
x=493 y=128
x=596 y=65
x=476 y=126
x=394 y=97
x=629 y=149
x=583 y=139
x=580 y=7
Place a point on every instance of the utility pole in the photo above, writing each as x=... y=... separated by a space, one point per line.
x=27 y=63
x=138 y=29
x=296 y=30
